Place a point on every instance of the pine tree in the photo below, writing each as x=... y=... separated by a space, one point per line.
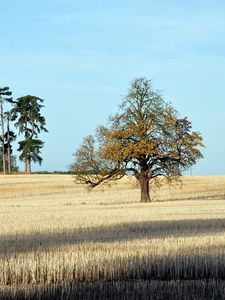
x=30 y=122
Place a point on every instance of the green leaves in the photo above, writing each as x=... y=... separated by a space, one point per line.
x=30 y=150
x=5 y=92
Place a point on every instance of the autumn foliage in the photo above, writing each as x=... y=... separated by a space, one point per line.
x=146 y=139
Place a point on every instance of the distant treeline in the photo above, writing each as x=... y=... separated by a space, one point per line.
x=54 y=172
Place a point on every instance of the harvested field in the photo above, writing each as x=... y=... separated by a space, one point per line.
x=61 y=241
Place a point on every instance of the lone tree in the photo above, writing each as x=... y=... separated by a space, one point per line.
x=30 y=122
x=146 y=139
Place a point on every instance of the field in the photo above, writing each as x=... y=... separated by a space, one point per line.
x=59 y=241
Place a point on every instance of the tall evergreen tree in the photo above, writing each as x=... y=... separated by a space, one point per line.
x=5 y=96
x=30 y=122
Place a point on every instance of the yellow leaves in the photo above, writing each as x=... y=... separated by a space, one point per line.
x=118 y=134
x=134 y=142
x=118 y=151
x=111 y=151
x=138 y=149
x=132 y=131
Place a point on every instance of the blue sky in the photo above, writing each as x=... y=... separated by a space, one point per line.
x=80 y=56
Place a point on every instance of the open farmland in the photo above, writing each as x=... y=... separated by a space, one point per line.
x=58 y=241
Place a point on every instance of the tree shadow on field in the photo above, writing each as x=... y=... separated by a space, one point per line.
x=39 y=241
x=127 y=290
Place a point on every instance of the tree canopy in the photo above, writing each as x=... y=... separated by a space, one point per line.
x=146 y=138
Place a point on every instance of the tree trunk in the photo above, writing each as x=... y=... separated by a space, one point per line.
x=9 y=148
x=3 y=139
x=29 y=165
x=143 y=180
